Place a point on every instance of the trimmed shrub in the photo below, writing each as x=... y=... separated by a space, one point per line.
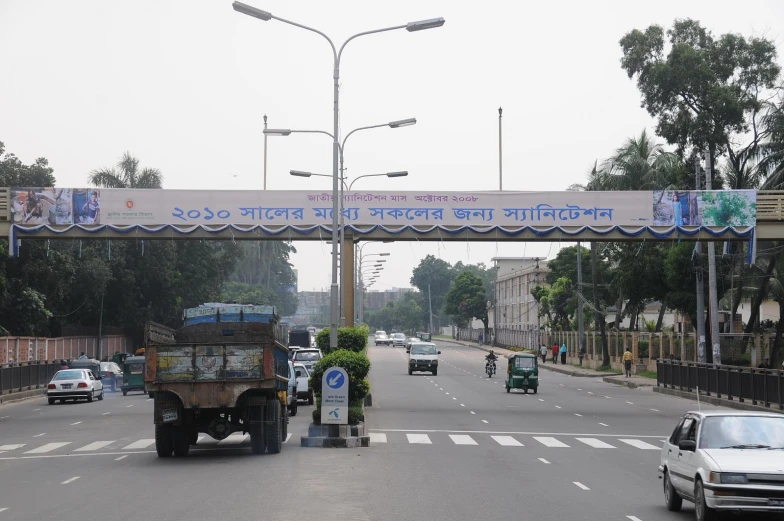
x=355 y=415
x=357 y=367
x=350 y=338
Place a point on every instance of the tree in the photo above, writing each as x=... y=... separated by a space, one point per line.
x=435 y=276
x=14 y=173
x=263 y=275
x=466 y=300
x=127 y=175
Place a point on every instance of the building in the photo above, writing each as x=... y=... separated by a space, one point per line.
x=375 y=300
x=514 y=306
x=313 y=308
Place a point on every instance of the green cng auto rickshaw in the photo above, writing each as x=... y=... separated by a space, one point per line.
x=424 y=337
x=522 y=372
x=133 y=374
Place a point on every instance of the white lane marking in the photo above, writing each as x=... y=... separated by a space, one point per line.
x=76 y=423
x=37 y=409
x=580 y=415
x=70 y=480
x=557 y=406
x=440 y=388
x=472 y=412
x=105 y=413
x=4 y=417
x=149 y=399
x=419 y=438
x=94 y=446
x=39 y=435
x=462 y=405
x=288 y=437
x=447 y=393
x=462 y=439
x=561 y=385
x=507 y=441
x=485 y=421
x=541 y=400
x=579 y=389
x=235 y=438
x=141 y=444
x=640 y=444
x=3 y=509
x=581 y=485
x=121 y=457
x=530 y=433
x=454 y=398
x=603 y=424
x=630 y=403
x=11 y=447
x=550 y=442
x=595 y=443
x=544 y=461
x=589 y=392
x=633 y=518
x=129 y=405
x=655 y=410
x=378 y=437
x=48 y=447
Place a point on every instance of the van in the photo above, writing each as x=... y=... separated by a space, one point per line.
x=423 y=358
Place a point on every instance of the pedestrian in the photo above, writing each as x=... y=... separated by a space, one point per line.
x=627 y=362
x=543 y=352
x=63 y=365
x=481 y=338
x=555 y=353
x=765 y=363
x=83 y=356
x=563 y=354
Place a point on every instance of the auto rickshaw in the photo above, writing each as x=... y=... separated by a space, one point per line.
x=522 y=372
x=133 y=375
x=424 y=337
x=119 y=358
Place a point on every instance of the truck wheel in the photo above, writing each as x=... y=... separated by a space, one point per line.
x=293 y=409
x=507 y=388
x=151 y=394
x=181 y=442
x=164 y=444
x=272 y=430
x=535 y=388
x=284 y=423
x=435 y=372
x=310 y=398
x=125 y=392
x=256 y=430
x=193 y=436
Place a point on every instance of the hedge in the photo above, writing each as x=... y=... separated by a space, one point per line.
x=350 y=338
x=357 y=367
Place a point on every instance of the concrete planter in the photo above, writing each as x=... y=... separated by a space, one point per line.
x=336 y=436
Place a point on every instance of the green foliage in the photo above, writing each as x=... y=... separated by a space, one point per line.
x=466 y=299
x=727 y=209
x=126 y=175
x=264 y=275
x=349 y=338
x=405 y=315
x=356 y=415
x=357 y=367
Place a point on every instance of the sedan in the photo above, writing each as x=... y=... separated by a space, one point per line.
x=111 y=375
x=398 y=339
x=409 y=341
x=74 y=384
x=383 y=340
x=725 y=461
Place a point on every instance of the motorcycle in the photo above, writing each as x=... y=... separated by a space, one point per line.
x=490 y=368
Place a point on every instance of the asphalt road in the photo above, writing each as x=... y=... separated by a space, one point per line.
x=451 y=447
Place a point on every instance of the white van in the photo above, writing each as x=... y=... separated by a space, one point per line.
x=423 y=357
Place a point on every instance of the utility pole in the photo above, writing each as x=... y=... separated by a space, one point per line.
x=430 y=306
x=538 y=319
x=265 y=153
x=700 y=286
x=712 y=291
x=580 y=324
x=100 y=330
x=500 y=153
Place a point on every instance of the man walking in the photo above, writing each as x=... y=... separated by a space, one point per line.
x=543 y=353
x=563 y=354
x=627 y=362
x=555 y=353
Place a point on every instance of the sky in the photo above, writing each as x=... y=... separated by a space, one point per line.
x=184 y=85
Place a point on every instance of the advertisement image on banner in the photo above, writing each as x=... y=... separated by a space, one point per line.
x=705 y=208
x=55 y=206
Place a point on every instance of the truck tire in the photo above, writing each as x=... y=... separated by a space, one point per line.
x=256 y=430
x=310 y=398
x=272 y=429
x=164 y=444
x=180 y=441
x=285 y=423
x=293 y=409
x=193 y=436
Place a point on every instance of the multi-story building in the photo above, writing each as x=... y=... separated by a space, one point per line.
x=313 y=308
x=514 y=306
x=375 y=300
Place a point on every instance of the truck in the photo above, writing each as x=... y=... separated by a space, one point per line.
x=299 y=338
x=225 y=371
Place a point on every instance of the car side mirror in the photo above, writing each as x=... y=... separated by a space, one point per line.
x=688 y=445
x=439 y=352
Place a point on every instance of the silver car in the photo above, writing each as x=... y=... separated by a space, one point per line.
x=398 y=339
x=74 y=384
x=725 y=461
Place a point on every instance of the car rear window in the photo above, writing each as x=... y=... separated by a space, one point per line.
x=69 y=375
x=307 y=356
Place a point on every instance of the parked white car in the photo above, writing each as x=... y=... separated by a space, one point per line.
x=304 y=390
x=74 y=384
x=725 y=461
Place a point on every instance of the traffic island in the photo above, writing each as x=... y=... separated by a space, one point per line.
x=336 y=436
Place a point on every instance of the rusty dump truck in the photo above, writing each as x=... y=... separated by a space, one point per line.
x=225 y=371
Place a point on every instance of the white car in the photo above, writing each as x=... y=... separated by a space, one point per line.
x=398 y=339
x=725 y=461
x=304 y=390
x=74 y=384
x=383 y=340
x=423 y=357
x=380 y=333
x=307 y=357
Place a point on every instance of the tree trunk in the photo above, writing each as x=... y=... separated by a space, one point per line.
x=598 y=315
x=774 y=352
x=659 y=322
x=619 y=310
x=761 y=294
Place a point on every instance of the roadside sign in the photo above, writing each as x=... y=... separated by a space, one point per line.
x=334 y=396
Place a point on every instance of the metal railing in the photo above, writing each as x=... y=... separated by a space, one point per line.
x=760 y=386
x=26 y=376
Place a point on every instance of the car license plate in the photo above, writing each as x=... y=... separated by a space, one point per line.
x=169 y=416
x=66 y=386
x=776 y=502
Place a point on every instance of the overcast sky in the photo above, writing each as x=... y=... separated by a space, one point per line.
x=183 y=85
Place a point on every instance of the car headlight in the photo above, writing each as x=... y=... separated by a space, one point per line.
x=733 y=479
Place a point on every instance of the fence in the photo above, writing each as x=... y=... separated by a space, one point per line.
x=761 y=386
x=32 y=349
x=26 y=376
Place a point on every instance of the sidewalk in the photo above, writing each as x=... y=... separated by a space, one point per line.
x=633 y=382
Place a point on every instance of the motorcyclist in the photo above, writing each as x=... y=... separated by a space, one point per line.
x=491 y=358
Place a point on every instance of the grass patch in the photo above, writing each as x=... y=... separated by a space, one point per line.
x=443 y=337
x=647 y=374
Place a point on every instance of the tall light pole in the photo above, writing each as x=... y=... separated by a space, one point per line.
x=336 y=55
x=500 y=153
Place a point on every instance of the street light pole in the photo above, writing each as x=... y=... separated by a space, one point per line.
x=265 y=152
x=500 y=153
x=336 y=55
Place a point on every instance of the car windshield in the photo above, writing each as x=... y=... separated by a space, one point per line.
x=524 y=363
x=307 y=356
x=399 y=336
x=69 y=375
x=742 y=432
x=420 y=349
x=108 y=366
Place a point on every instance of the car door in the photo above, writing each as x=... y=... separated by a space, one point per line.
x=678 y=477
x=687 y=460
x=96 y=383
x=302 y=379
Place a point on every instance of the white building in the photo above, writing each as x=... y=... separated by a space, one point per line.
x=515 y=306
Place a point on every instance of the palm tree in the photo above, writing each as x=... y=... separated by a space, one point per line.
x=127 y=175
x=640 y=164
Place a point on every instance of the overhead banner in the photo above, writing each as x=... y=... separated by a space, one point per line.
x=95 y=206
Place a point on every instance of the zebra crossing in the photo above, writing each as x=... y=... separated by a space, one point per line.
x=550 y=442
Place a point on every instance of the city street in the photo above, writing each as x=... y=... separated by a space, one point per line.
x=454 y=446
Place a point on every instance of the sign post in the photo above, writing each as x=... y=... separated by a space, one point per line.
x=334 y=397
